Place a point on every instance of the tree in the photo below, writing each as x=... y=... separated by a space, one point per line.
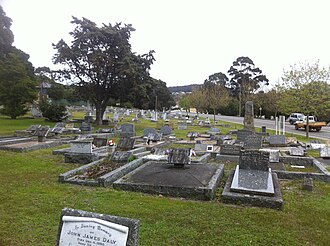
x=306 y=89
x=17 y=83
x=245 y=79
x=6 y=35
x=100 y=61
x=215 y=92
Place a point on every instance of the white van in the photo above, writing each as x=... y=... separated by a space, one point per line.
x=295 y=117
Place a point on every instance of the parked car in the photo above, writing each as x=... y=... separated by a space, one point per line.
x=295 y=117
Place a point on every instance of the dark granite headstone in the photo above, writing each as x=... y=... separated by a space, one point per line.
x=121 y=156
x=263 y=129
x=253 y=141
x=99 y=142
x=127 y=130
x=254 y=160
x=79 y=227
x=166 y=130
x=242 y=134
x=256 y=182
x=126 y=143
x=86 y=127
x=179 y=156
x=277 y=140
x=249 y=116
x=127 y=127
x=226 y=149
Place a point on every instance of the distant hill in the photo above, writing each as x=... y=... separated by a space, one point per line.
x=183 y=88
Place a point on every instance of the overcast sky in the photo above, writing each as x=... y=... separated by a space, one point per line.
x=192 y=38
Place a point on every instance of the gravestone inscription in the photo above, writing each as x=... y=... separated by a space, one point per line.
x=253 y=141
x=79 y=227
x=254 y=160
x=227 y=149
x=179 y=157
x=242 y=134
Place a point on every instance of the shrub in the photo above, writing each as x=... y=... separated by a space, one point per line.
x=53 y=112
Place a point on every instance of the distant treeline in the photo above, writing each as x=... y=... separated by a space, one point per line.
x=183 y=88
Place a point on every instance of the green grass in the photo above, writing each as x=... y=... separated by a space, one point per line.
x=32 y=200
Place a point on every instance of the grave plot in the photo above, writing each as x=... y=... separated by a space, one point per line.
x=252 y=182
x=14 y=140
x=37 y=142
x=175 y=177
x=103 y=172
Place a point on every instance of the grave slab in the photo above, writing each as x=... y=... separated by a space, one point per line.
x=196 y=181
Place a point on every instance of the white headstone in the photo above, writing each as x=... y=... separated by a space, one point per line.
x=91 y=231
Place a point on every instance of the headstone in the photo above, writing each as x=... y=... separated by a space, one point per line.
x=86 y=127
x=249 y=116
x=33 y=129
x=121 y=156
x=100 y=141
x=179 y=157
x=147 y=131
x=42 y=133
x=274 y=155
x=307 y=184
x=79 y=227
x=297 y=151
x=254 y=160
x=89 y=118
x=325 y=152
x=192 y=135
x=226 y=149
x=127 y=130
x=214 y=131
x=242 y=134
x=83 y=146
x=166 y=130
x=115 y=117
x=253 y=141
x=154 y=136
x=263 y=129
x=277 y=140
x=126 y=143
x=182 y=126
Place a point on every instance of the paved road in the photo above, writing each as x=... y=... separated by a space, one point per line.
x=270 y=124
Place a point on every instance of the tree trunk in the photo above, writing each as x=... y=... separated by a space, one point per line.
x=214 y=112
x=99 y=114
x=307 y=127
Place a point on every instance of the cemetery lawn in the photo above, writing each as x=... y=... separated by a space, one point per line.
x=32 y=200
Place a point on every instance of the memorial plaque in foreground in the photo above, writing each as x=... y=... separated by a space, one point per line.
x=79 y=227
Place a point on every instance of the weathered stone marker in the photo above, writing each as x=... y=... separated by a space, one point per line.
x=249 y=116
